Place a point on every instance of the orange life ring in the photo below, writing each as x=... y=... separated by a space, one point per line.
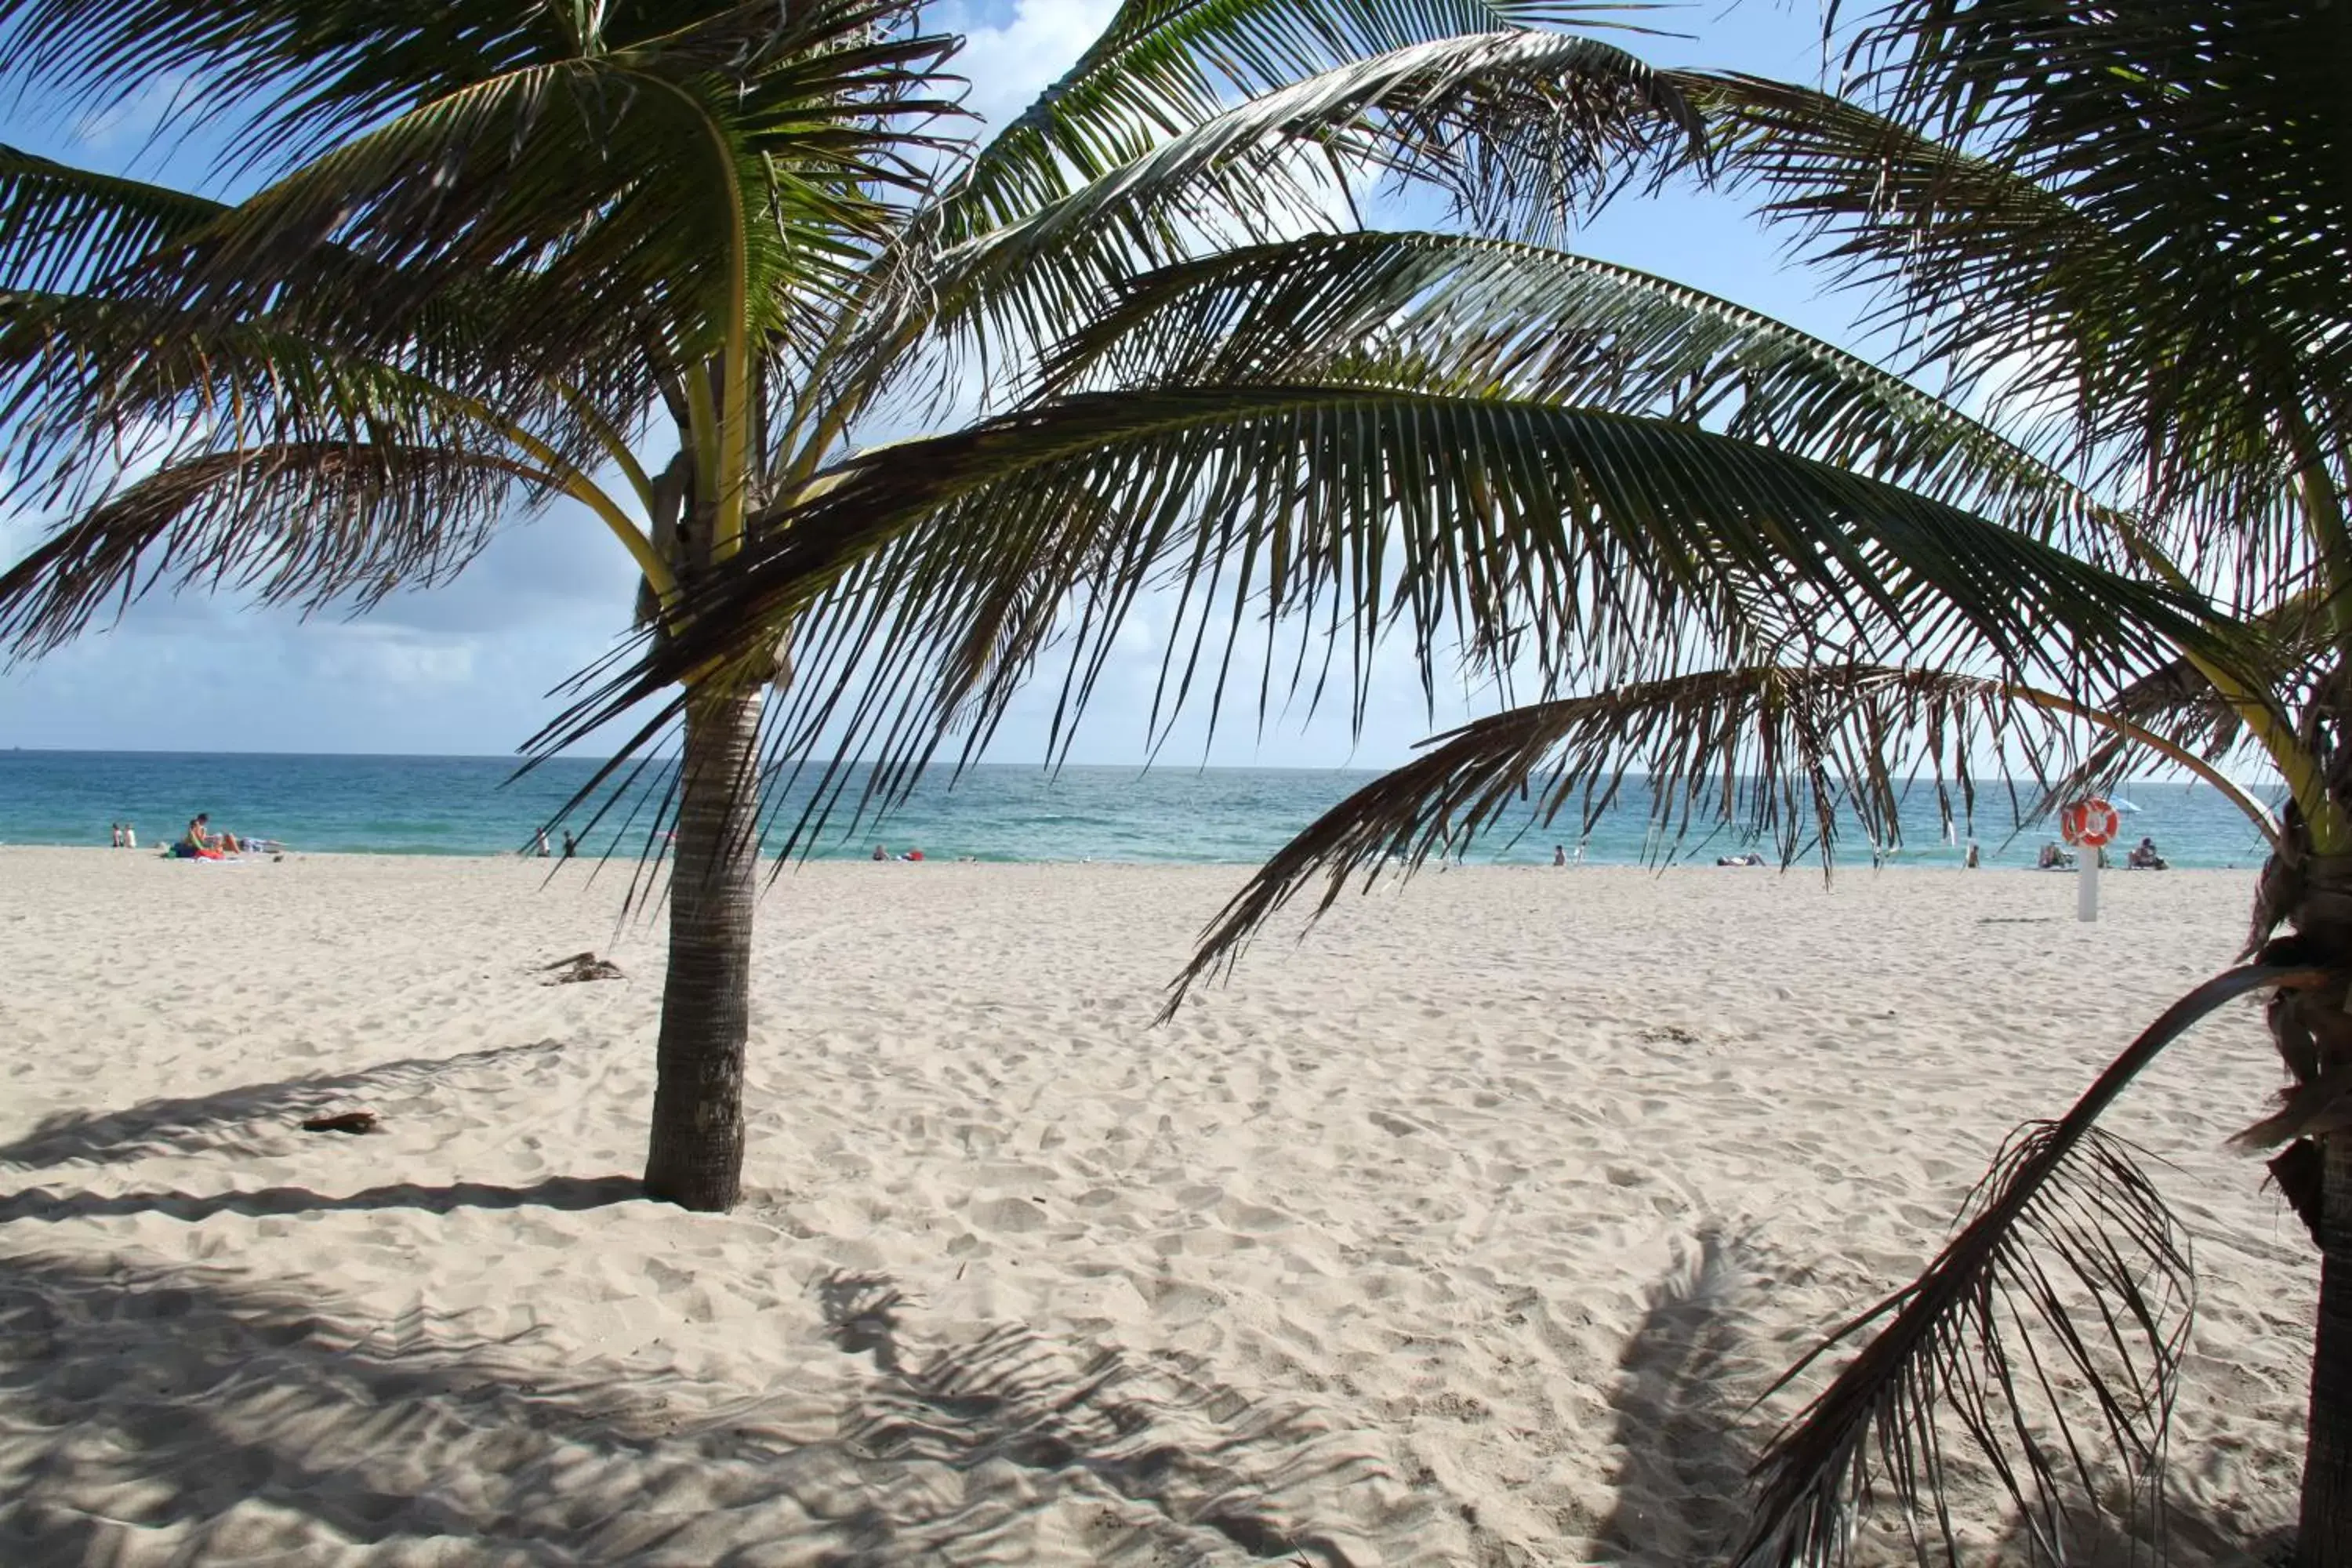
x=2091 y=823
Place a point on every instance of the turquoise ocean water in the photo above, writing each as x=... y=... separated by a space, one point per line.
x=467 y=806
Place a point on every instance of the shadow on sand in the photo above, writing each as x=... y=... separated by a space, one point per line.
x=1685 y=1425
x=1680 y=1416
x=246 y=1119
x=553 y=1193
x=184 y=1412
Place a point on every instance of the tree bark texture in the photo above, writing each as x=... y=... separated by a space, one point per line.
x=696 y=1157
x=2324 y=1537
x=2312 y=1028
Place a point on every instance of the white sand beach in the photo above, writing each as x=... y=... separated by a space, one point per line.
x=1463 y=1233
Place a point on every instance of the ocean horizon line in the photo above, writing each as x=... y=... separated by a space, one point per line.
x=1980 y=782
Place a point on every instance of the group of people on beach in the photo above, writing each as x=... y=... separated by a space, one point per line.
x=2143 y=858
x=882 y=852
x=202 y=842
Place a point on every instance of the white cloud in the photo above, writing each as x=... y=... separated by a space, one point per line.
x=1010 y=65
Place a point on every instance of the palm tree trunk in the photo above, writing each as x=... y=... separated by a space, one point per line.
x=696 y=1158
x=2312 y=1028
x=2324 y=1539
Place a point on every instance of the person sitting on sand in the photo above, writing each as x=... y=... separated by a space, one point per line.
x=2052 y=858
x=2144 y=857
x=1559 y=854
x=201 y=842
x=881 y=852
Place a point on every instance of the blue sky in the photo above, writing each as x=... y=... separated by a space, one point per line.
x=466 y=669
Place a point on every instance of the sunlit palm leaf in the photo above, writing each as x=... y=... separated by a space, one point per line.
x=1479 y=317
x=511 y=190
x=1514 y=127
x=1163 y=65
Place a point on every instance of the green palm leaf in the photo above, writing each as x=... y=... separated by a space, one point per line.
x=306 y=524
x=1514 y=126
x=63 y=228
x=1165 y=65
x=2149 y=360
x=1474 y=316
x=1565 y=539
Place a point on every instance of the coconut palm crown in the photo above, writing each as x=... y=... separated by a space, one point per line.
x=664 y=258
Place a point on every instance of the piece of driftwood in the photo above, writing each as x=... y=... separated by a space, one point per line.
x=580 y=967
x=342 y=1122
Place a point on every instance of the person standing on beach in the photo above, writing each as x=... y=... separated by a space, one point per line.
x=570 y=844
x=542 y=841
x=129 y=836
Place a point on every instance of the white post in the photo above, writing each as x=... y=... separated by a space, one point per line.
x=2086 y=883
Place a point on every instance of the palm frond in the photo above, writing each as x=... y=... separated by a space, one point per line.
x=1793 y=753
x=86 y=379
x=1163 y=67
x=2052 y=1326
x=307 y=524
x=1531 y=541
x=280 y=77
x=1476 y=316
x=2294 y=643
x=64 y=229
x=2192 y=134
x=2140 y=354
x=1516 y=127
x=801 y=125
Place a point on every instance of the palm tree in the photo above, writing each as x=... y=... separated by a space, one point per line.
x=497 y=252
x=1776 y=577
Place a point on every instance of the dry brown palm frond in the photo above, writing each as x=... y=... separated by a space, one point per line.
x=1783 y=751
x=2046 y=1336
